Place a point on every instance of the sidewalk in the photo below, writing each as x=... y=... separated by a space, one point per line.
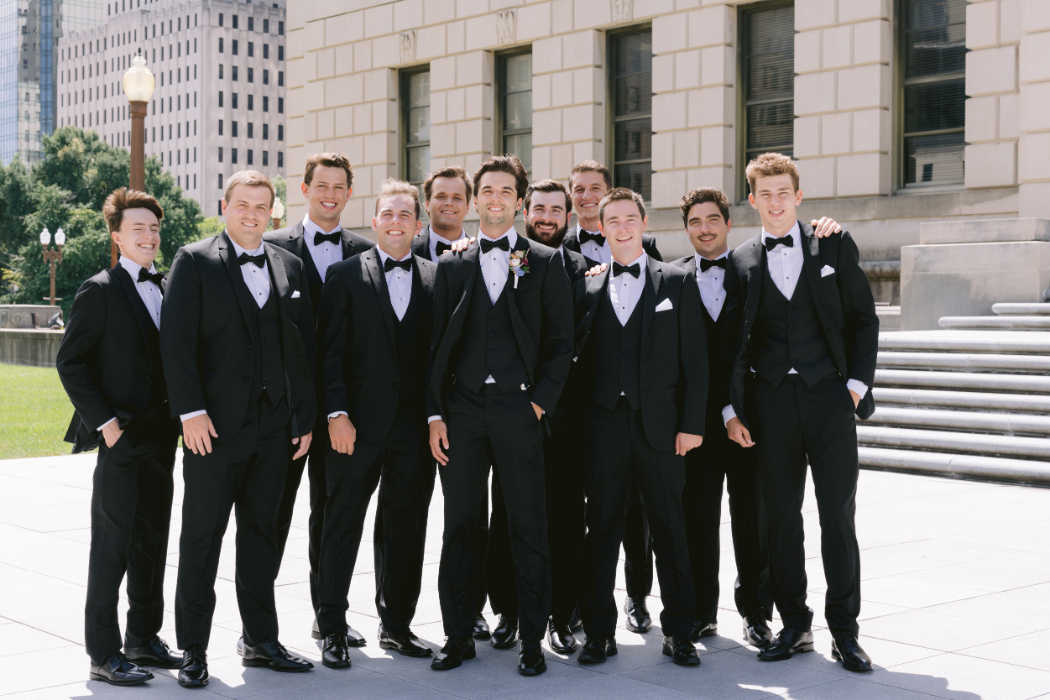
x=956 y=605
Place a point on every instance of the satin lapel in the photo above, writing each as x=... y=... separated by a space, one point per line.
x=137 y=305
x=240 y=289
x=279 y=277
x=521 y=331
x=572 y=239
x=470 y=260
x=650 y=293
x=348 y=248
x=423 y=285
x=302 y=251
x=811 y=266
x=370 y=258
x=755 y=272
x=594 y=288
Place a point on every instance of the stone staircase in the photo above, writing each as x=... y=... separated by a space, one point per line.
x=971 y=401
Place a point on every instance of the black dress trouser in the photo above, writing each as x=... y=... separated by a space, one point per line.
x=637 y=547
x=403 y=461
x=793 y=421
x=495 y=430
x=619 y=449
x=130 y=513
x=245 y=474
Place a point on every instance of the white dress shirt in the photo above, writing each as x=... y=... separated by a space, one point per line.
x=434 y=239
x=712 y=288
x=592 y=250
x=625 y=290
x=325 y=254
x=398 y=284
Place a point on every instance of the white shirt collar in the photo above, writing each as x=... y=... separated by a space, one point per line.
x=441 y=239
x=383 y=256
x=701 y=257
x=309 y=225
x=237 y=250
x=795 y=233
x=510 y=234
x=133 y=268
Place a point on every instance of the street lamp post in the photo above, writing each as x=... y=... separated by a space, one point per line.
x=138 y=86
x=53 y=257
x=277 y=214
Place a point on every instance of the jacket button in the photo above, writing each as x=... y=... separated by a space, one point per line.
x=247 y=378
x=621 y=383
x=493 y=318
x=623 y=333
x=249 y=346
x=492 y=335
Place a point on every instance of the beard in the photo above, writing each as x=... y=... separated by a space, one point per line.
x=552 y=241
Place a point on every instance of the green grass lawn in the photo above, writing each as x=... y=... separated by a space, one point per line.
x=34 y=412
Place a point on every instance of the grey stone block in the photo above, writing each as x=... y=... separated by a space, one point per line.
x=978 y=362
x=26 y=315
x=1014 y=323
x=955 y=465
x=1021 y=309
x=32 y=347
x=1005 y=445
x=963 y=380
x=961 y=399
x=992 y=231
x=1007 y=423
x=967 y=341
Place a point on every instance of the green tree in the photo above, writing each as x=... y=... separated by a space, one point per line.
x=280 y=187
x=211 y=226
x=15 y=187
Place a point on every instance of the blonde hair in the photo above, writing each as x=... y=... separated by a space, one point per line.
x=770 y=164
x=248 y=178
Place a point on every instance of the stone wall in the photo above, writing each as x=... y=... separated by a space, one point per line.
x=32 y=348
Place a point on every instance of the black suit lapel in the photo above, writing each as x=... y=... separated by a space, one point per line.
x=593 y=290
x=572 y=239
x=240 y=289
x=421 y=244
x=377 y=276
x=811 y=268
x=279 y=279
x=756 y=271
x=302 y=251
x=423 y=285
x=526 y=345
x=142 y=316
x=650 y=293
x=349 y=248
x=470 y=260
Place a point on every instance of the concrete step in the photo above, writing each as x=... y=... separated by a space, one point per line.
x=995 y=423
x=1015 y=323
x=956 y=465
x=889 y=318
x=976 y=362
x=943 y=441
x=963 y=381
x=978 y=401
x=998 y=342
x=1021 y=309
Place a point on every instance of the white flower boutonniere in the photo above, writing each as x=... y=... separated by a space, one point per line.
x=519 y=264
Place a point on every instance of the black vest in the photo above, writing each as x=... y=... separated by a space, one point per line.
x=411 y=359
x=158 y=392
x=268 y=368
x=716 y=331
x=487 y=344
x=618 y=352
x=788 y=334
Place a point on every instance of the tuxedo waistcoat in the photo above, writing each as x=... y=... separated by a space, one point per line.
x=488 y=346
x=411 y=345
x=268 y=369
x=617 y=354
x=716 y=332
x=787 y=334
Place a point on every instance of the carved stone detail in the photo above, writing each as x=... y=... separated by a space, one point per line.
x=622 y=10
x=407 y=42
x=507 y=26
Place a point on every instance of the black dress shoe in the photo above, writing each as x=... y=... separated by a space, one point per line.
x=481 y=628
x=703 y=630
x=846 y=648
x=155 y=652
x=681 y=650
x=638 y=618
x=194 y=670
x=404 y=643
x=335 y=653
x=576 y=622
x=788 y=643
x=274 y=656
x=353 y=637
x=454 y=653
x=117 y=670
x=530 y=659
x=756 y=630
x=505 y=636
x=596 y=649
x=561 y=639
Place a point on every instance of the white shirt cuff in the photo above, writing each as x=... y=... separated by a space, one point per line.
x=106 y=423
x=431 y=419
x=858 y=387
x=338 y=413
x=186 y=416
x=728 y=414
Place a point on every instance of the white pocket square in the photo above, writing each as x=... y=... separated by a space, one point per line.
x=295 y=294
x=827 y=270
x=664 y=305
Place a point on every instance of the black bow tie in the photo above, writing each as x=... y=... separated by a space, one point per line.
x=440 y=248
x=597 y=238
x=147 y=276
x=501 y=243
x=332 y=237
x=633 y=270
x=391 y=264
x=245 y=259
x=772 y=242
x=706 y=264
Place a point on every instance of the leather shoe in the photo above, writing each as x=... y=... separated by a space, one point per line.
x=530 y=659
x=596 y=649
x=788 y=643
x=638 y=618
x=274 y=656
x=561 y=639
x=505 y=636
x=756 y=630
x=681 y=650
x=481 y=628
x=353 y=637
x=404 y=643
x=576 y=622
x=117 y=670
x=335 y=653
x=155 y=652
x=703 y=630
x=846 y=648
x=454 y=653
x=194 y=670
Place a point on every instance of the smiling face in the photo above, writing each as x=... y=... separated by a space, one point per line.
x=326 y=196
x=623 y=225
x=447 y=206
x=588 y=189
x=708 y=231
x=546 y=219
x=775 y=199
x=247 y=213
x=139 y=236
x=395 y=224
x=497 y=202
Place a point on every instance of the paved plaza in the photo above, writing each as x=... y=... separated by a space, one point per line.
x=956 y=605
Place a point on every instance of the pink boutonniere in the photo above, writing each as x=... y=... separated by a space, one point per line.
x=519 y=264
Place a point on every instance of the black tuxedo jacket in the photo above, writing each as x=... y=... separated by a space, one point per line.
x=357 y=345
x=105 y=360
x=572 y=242
x=718 y=377
x=207 y=334
x=843 y=300
x=674 y=372
x=540 y=312
x=291 y=239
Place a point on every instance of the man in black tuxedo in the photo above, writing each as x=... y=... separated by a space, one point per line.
x=238 y=347
x=642 y=361
x=374 y=386
x=110 y=365
x=499 y=359
x=547 y=209
x=801 y=339
x=320 y=241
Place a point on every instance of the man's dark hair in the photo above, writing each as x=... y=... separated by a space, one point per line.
x=701 y=195
x=548 y=186
x=592 y=166
x=451 y=172
x=392 y=187
x=122 y=199
x=504 y=164
x=620 y=194
x=329 y=160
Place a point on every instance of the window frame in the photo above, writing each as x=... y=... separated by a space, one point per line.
x=611 y=38
x=501 y=132
x=404 y=79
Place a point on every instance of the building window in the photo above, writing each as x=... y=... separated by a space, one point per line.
x=515 y=115
x=220 y=71
x=266 y=49
x=233 y=129
x=251 y=102
x=280 y=52
x=251 y=25
x=768 y=70
x=266 y=158
x=233 y=102
x=266 y=77
x=235 y=18
x=280 y=78
x=220 y=99
x=250 y=152
x=415 y=116
x=266 y=103
x=220 y=127
x=251 y=75
x=280 y=159
x=266 y=132
x=280 y=105
x=220 y=155
x=233 y=156
x=233 y=73
x=220 y=46
x=631 y=84
x=251 y=45
x=280 y=132
x=266 y=28
x=220 y=179
x=251 y=130
x=233 y=45
x=934 y=58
